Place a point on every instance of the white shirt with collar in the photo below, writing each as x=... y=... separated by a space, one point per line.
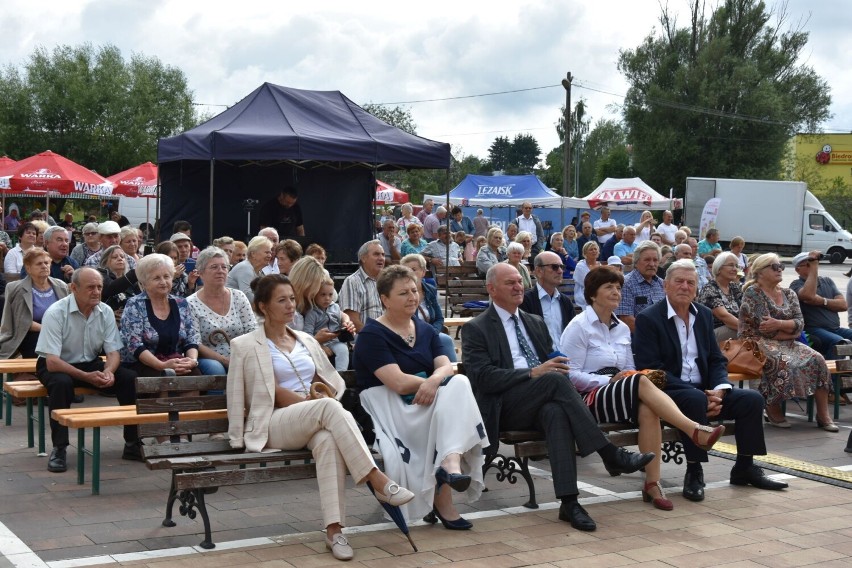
x=518 y=359
x=689 y=346
x=591 y=344
x=270 y=268
x=551 y=311
x=528 y=225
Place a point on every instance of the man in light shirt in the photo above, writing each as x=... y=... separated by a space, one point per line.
x=531 y=224
x=605 y=226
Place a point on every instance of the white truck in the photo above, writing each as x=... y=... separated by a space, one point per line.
x=772 y=216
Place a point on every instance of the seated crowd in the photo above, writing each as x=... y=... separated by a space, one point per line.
x=267 y=314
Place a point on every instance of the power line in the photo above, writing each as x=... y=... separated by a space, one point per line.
x=468 y=96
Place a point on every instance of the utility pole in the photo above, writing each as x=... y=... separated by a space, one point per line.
x=566 y=155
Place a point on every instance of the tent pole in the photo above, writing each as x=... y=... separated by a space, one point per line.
x=210 y=235
x=157 y=216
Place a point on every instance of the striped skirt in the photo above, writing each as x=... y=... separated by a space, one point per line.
x=615 y=402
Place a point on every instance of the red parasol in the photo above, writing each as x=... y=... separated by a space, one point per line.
x=6 y=164
x=387 y=194
x=139 y=181
x=48 y=172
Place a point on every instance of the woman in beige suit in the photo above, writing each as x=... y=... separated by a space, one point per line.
x=270 y=407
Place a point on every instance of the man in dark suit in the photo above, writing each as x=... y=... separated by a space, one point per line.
x=677 y=336
x=518 y=388
x=544 y=299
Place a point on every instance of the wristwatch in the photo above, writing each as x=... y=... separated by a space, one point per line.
x=825 y=301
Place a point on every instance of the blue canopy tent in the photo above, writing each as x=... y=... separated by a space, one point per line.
x=319 y=141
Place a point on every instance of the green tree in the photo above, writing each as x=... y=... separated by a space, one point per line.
x=523 y=154
x=397 y=116
x=553 y=171
x=499 y=153
x=599 y=145
x=615 y=164
x=92 y=106
x=721 y=97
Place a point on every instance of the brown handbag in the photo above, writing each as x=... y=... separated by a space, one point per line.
x=744 y=356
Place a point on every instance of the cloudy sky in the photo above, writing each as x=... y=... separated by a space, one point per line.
x=406 y=52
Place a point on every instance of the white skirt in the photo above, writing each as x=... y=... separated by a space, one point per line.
x=415 y=439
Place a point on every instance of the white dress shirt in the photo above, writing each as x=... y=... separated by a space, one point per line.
x=518 y=359
x=528 y=225
x=689 y=347
x=551 y=311
x=591 y=344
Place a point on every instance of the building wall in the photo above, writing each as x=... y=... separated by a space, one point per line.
x=827 y=155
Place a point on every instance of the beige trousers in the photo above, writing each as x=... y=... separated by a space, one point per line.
x=330 y=432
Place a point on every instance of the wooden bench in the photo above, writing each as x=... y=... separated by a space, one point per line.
x=9 y=367
x=29 y=391
x=196 y=466
x=836 y=367
x=100 y=417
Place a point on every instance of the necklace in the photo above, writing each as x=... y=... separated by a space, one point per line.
x=305 y=389
x=408 y=336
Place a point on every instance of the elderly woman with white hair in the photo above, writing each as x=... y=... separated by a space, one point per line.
x=492 y=251
x=723 y=295
x=219 y=313
x=128 y=239
x=258 y=256
x=772 y=316
x=514 y=257
x=157 y=328
x=407 y=218
x=91 y=244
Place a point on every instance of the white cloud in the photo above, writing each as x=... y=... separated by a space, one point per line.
x=383 y=51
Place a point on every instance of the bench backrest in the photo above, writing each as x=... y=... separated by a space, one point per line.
x=172 y=403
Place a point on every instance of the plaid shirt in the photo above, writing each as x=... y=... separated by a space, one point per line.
x=635 y=289
x=359 y=294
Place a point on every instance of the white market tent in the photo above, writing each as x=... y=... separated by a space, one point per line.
x=630 y=194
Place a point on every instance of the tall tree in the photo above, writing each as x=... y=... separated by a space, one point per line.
x=523 y=154
x=552 y=173
x=721 y=97
x=397 y=116
x=499 y=153
x=92 y=106
x=602 y=141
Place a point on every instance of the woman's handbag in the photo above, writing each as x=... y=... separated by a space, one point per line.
x=744 y=356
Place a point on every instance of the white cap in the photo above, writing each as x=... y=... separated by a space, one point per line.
x=109 y=228
x=614 y=260
x=179 y=237
x=800 y=258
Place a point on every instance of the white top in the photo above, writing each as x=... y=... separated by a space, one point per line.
x=591 y=344
x=239 y=320
x=288 y=367
x=668 y=232
x=14 y=261
x=518 y=359
x=528 y=225
x=689 y=347
x=601 y=224
x=580 y=272
x=643 y=234
x=271 y=268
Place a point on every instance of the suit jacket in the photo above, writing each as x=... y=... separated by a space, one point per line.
x=18 y=313
x=488 y=362
x=656 y=346
x=251 y=386
x=532 y=305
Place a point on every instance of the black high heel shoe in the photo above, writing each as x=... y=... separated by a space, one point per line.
x=460 y=524
x=458 y=481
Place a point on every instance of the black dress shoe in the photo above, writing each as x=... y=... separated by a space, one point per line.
x=133 y=451
x=627 y=462
x=78 y=398
x=693 y=485
x=575 y=514
x=755 y=476
x=56 y=461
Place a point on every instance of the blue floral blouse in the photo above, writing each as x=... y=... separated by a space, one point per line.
x=138 y=333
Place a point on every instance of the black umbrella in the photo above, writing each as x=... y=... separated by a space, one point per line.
x=397 y=517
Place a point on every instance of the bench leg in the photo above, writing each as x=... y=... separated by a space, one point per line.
x=170 y=503
x=207 y=543
x=672 y=452
x=3 y=397
x=837 y=388
x=96 y=461
x=508 y=469
x=30 y=436
x=7 y=401
x=41 y=423
x=81 y=456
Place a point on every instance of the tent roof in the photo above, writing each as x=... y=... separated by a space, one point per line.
x=500 y=191
x=626 y=193
x=309 y=128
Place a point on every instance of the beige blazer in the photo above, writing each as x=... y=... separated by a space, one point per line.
x=251 y=386
x=18 y=313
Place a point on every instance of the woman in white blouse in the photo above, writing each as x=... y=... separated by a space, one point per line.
x=597 y=345
x=220 y=313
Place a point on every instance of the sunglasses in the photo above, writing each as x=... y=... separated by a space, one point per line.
x=776 y=267
x=559 y=267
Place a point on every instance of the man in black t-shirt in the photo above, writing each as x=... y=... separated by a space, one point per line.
x=284 y=214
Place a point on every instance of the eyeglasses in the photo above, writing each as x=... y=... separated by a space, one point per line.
x=776 y=267
x=730 y=266
x=559 y=267
x=89 y=234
